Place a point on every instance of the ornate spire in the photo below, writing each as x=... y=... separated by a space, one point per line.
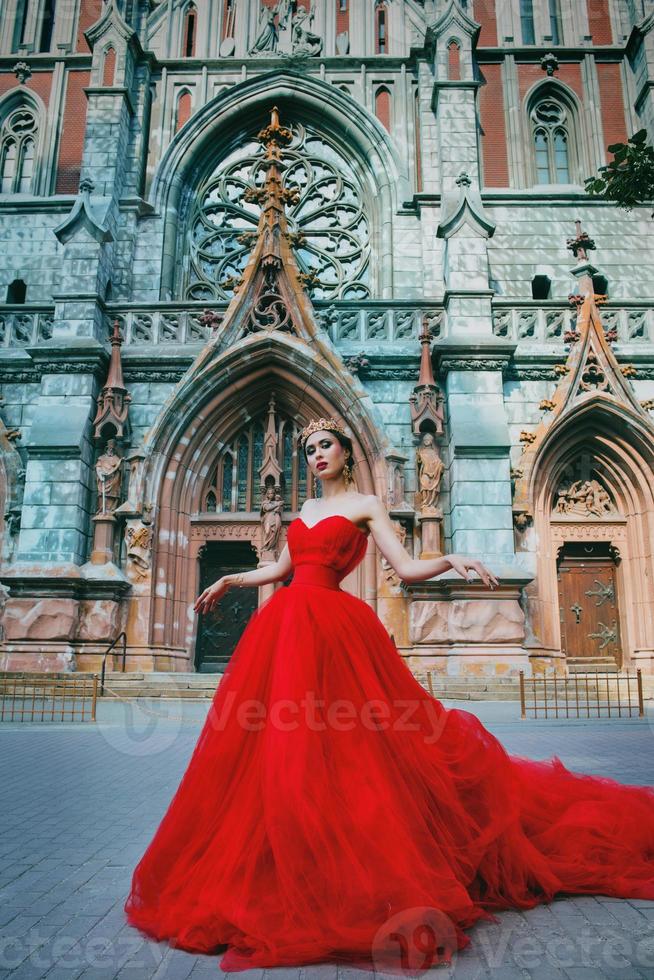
x=591 y=372
x=425 y=400
x=113 y=402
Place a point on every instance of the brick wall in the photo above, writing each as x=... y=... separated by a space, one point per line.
x=40 y=83
x=72 y=135
x=599 y=21
x=493 y=128
x=612 y=102
x=90 y=12
x=569 y=74
x=484 y=14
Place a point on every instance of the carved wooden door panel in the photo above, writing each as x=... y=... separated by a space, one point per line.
x=220 y=630
x=590 y=624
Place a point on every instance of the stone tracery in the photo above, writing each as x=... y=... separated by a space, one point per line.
x=328 y=222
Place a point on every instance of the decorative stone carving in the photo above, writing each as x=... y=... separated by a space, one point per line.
x=522 y=519
x=549 y=63
x=272 y=21
x=138 y=538
x=357 y=363
x=270 y=311
x=430 y=470
x=303 y=38
x=22 y=71
x=108 y=471
x=586 y=497
x=487 y=621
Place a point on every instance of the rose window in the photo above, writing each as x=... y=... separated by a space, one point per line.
x=329 y=225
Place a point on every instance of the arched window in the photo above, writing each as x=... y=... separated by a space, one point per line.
x=109 y=66
x=381 y=29
x=383 y=107
x=188 y=37
x=183 y=111
x=18 y=138
x=233 y=484
x=550 y=134
x=454 y=62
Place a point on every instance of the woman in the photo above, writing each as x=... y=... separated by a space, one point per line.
x=332 y=810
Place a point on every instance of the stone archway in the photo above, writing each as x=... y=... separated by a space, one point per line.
x=237 y=387
x=620 y=515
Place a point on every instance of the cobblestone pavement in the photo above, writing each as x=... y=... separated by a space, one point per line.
x=80 y=802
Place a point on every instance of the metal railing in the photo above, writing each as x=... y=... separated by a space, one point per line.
x=121 y=636
x=594 y=694
x=26 y=696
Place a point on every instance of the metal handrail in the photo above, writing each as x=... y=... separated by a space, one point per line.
x=121 y=636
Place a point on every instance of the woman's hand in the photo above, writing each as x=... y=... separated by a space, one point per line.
x=465 y=567
x=206 y=601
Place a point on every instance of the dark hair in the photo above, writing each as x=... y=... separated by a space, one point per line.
x=345 y=442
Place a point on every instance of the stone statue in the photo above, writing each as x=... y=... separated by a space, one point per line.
x=273 y=20
x=430 y=470
x=138 y=537
x=303 y=39
x=271 y=513
x=108 y=470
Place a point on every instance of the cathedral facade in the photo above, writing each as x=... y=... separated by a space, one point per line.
x=221 y=219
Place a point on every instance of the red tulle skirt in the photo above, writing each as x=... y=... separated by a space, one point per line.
x=332 y=810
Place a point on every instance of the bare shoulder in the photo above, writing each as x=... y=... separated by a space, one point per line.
x=374 y=506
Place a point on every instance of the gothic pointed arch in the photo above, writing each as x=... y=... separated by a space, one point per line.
x=22 y=139
x=587 y=475
x=324 y=112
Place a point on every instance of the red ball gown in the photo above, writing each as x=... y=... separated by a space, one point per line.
x=330 y=800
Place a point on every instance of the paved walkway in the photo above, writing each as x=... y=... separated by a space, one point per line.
x=80 y=802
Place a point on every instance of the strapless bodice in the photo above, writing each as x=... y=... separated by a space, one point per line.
x=326 y=552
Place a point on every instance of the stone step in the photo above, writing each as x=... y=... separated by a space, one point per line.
x=581 y=665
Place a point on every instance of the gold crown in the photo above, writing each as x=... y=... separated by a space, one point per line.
x=318 y=424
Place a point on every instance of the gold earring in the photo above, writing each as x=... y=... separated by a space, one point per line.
x=347 y=474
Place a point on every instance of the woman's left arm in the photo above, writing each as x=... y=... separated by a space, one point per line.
x=418 y=569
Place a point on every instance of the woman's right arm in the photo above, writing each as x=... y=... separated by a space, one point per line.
x=275 y=572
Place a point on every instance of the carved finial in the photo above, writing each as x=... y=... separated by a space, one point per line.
x=582 y=244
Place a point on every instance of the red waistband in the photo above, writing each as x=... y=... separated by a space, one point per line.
x=308 y=574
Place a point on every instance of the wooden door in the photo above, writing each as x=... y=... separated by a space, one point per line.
x=588 y=605
x=220 y=630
